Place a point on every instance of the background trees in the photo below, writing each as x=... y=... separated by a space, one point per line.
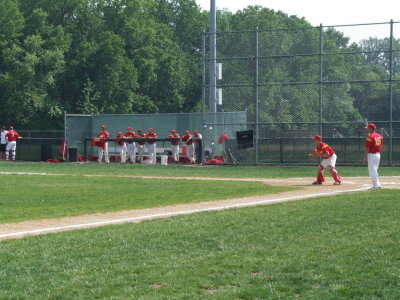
x=140 y=56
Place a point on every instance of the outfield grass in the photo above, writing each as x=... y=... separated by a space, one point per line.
x=342 y=247
x=28 y=197
x=182 y=170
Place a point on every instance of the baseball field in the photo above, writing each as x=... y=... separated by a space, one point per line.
x=112 y=231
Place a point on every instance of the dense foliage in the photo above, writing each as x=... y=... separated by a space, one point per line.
x=142 y=56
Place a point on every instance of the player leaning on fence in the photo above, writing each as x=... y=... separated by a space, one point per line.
x=373 y=147
x=329 y=157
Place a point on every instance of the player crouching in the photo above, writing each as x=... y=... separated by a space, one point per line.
x=328 y=160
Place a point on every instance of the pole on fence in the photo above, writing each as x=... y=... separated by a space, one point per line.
x=256 y=91
x=321 y=73
x=390 y=160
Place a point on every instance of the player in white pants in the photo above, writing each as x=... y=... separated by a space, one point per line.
x=131 y=146
x=103 y=144
x=174 y=145
x=152 y=136
x=373 y=148
x=11 y=137
x=122 y=149
x=141 y=145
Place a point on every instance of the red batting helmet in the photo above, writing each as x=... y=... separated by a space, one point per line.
x=318 y=138
x=371 y=125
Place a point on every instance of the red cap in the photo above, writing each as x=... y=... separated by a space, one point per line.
x=139 y=130
x=318 y=138
x=129 y=128
x=150 y=129
x=196 y=132
x=11 y=127
x=371 y=125
x=173 y=131
x=104 y=126
x=120 y=133
x=187 y=131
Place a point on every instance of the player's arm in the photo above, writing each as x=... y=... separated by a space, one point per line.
x=314 y=153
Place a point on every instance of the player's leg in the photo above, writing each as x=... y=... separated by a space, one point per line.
x=100 y=154
x=154 y=153
x=335 y=174
x=373 y=164
x=106 y=158
x=133 y=158
x=320 y=175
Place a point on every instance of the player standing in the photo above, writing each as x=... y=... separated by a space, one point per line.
x=188 y=140
x=174 y=145
x=329 y=158
x=131 y=144
x=152 y=136
x=102 y=143
x=372 y=155
x=122 y=146
x=141 y=144
x=11 y=137
x=3 y=142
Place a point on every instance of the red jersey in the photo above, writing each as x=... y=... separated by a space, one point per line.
x=103 y=135
x=118 y=140
x=130 y=135
x=12 y=136
x=152 y=136
x=171 y=136
x=187 y=139
x=324 y=148
x=142 y=136
x=374 y=143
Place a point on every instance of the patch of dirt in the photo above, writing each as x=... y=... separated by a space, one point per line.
x=307 y=190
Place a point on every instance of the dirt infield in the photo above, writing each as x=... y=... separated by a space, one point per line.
x=350 y=185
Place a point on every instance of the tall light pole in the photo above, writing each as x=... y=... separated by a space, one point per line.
x=213 y=56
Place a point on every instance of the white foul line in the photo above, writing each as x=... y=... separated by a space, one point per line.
x=176 y=213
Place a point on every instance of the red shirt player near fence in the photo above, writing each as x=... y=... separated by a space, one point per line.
x=102 y=143
x=174 y=144
x=131 y=147
x=373 y=148
x=329 y=158
x=119 y=139
x=188 y=141
x=12 y=136
x=152 y=136
x=141 y=144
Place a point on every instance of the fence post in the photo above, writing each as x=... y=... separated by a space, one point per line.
x=390 y=160
x=321 y=66
x=256 y=82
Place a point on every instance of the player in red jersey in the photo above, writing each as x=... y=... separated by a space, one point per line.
x=131 y=145
x=373 y=148
x=141 y=145
x=174 y=145
x=102 y=143
x=121 y=145
x=12 y=136
x=329 y=158
x=152 y=136
x=188 y=140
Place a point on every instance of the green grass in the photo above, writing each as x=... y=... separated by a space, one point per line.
x=342 y=247
x=27 y=197
x=181 y=170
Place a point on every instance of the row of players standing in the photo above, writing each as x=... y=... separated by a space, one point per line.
x=130 y=149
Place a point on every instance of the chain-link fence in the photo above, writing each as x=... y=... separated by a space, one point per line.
x=295 y=83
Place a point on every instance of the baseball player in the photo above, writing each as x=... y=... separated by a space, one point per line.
x=373 y=147
x=198 y=147
x=141 y=145
x=11 y=137
x=188 y=140
x=121 y=146
x=174 y=145
x=131 y=145
x=103 y=144
x=152 y=136
x=3 y=142
x=329 y=157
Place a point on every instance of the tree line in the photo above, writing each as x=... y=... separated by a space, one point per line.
x=139 y=56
